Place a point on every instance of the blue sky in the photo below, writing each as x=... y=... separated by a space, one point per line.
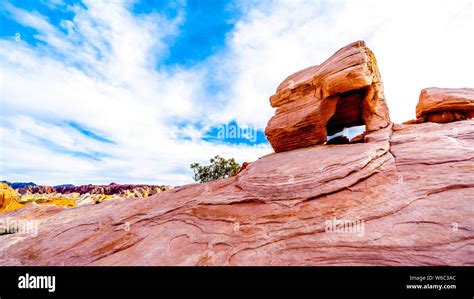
x=135 y=91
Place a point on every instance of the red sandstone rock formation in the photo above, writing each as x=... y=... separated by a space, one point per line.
x=244 y=166
x=402 y=197
x=36 y=190
x=443 y=105
x=344 y=91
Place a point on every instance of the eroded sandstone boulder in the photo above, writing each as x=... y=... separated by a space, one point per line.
x=344 y=91
x=443 y=105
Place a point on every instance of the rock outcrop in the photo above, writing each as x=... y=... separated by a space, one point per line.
x=27 y=190
x=344 y=91
x=401 y=195
x=443 y=105
x=8 y=198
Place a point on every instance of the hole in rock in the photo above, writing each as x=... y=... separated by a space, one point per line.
x=346 y=122
x=346 y=135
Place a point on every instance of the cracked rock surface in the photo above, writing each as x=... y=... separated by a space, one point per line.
x=404 y=196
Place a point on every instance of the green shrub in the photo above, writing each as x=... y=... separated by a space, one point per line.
x=218 y=169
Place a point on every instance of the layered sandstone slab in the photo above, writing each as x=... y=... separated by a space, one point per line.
x=344 y=91
x=442 y=105
x=407 y=190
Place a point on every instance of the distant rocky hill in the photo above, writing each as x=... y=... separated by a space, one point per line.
x=398 y=194
x=18 y=185
x=128 y=190
x=63 y=185
x=69 y=195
